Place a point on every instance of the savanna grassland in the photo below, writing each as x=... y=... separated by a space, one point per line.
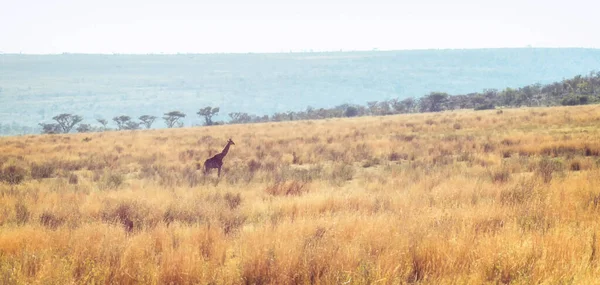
x=509 y=196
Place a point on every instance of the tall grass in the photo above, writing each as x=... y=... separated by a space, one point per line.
x=455 y=197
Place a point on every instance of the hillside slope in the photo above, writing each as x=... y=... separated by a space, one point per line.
x=34 y=88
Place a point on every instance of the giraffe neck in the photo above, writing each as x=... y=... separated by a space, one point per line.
x=225 y=150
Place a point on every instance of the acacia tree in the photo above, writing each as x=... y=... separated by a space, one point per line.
x=172 y=118
x=147 y=120
x=103 y=122
x=124 y=122
x=208 y=113
x=66 y=122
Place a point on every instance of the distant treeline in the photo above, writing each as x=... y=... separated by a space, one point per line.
x=578 y=90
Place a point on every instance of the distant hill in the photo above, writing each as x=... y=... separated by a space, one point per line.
x=34 y=88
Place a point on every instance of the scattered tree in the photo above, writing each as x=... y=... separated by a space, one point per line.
x=208 y=113
x=172 y=119
x=67 y=121
x=103 y=122
x=147 y=120
x=122 y=121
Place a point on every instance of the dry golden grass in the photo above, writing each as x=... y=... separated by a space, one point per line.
x=455 y=197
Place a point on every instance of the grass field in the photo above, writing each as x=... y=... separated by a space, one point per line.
x=509 y=196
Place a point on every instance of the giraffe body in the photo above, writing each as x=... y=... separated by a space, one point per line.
x=217 y=160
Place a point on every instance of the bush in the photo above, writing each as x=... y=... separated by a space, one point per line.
x=51 y=220
x=12 y=175
x=41 y=171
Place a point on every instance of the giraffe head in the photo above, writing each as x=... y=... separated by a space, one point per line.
x=231 y=142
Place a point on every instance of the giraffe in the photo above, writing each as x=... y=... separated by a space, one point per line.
x=217 y=160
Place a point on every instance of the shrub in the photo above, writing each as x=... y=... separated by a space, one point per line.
x=12 y=175
x=50 y=220
x=40 y=171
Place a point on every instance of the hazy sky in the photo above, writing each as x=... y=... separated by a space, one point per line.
x=198 y=26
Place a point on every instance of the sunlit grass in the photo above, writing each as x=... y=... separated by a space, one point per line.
x=453 y=197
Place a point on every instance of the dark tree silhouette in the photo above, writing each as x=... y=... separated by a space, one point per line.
x=208 y=113
x=103 y=122
x=147 y=120
x=172 y=119
x=67 y=121
x=122 y=121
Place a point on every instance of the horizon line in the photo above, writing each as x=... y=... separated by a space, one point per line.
x=303 y=51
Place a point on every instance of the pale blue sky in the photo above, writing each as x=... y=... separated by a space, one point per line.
x=148 y=26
